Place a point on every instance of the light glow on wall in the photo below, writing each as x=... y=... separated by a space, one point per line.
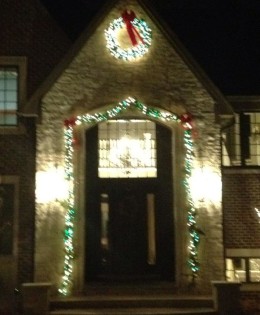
x=258 y=214
x=51 y=185
x=206 y=185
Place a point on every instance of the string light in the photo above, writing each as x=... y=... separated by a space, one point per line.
x=69 y=171
x=192 y=225
x=133 y=52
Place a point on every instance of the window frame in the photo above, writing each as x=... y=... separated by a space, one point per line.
x=241 y=130
x=247 y=267
x=21 y=64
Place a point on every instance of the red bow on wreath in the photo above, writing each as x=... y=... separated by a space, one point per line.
x=128 y=17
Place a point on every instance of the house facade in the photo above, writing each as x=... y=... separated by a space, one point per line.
x=125 y=162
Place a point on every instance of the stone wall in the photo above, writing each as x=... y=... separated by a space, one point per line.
x=94 y=80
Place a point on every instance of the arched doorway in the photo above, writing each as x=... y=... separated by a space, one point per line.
x=129 y=201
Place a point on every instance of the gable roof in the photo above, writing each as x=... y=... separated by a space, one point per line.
x=223 y=107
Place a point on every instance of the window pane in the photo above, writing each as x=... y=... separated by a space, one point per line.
x=236 y=269
x=2 y=83
x=254 y=269
x=8 y=95
x=11 y=96
x=254 y=140
x=11 y=84
x=10 y=107
x=231 y=153
x=10 y=119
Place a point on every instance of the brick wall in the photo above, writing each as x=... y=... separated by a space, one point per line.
x=17 y=158
x=28 y=30
x=241 y=194
x=250 y=303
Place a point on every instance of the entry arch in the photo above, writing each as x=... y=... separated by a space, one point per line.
x=77 y=126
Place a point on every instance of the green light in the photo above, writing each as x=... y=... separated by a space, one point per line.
x=86 y=119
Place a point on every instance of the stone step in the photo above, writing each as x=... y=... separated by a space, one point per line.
x=134 y=304
x=136 y=311
x=134 y=301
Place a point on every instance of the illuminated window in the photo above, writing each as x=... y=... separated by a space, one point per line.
x=8 y=95
x=127 y=149
x=241 y=142
x=236 y=269
x=243 y=269
x=254 y=269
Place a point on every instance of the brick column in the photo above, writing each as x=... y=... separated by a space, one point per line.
x=226 y=297
x=36 y=298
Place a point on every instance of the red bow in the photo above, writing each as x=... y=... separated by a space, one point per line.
x=187 y=121
x=70 y=122
x=128 y=17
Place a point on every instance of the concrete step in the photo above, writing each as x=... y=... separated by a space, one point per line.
x=123 y=301
x=134 y=304
x=136 y=311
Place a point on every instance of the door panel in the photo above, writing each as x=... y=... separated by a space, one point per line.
x=126 y=230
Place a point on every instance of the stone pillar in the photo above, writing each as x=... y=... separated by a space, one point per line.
x=35 y=298
x=226 y=297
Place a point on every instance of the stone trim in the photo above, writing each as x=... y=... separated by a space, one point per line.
x=242 y=252
x=250 y=287
x=241 y=170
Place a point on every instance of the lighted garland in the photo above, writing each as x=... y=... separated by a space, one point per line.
x=185 y=121
x=136 y=28
x=194 y=232
x=70 y=215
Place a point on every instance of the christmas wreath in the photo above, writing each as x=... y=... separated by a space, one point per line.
x=138 y=32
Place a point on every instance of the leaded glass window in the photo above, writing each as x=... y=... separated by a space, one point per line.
x=127 y=149
x=8 y=95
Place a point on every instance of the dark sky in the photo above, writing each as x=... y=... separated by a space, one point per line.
x=223 y=36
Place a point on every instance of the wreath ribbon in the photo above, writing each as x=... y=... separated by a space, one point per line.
x=128 y=17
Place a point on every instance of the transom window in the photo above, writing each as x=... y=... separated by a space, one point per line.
x=8 y=95
x=241 y=142
x=127 y=149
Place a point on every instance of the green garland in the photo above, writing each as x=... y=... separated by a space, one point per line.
x=184 y=120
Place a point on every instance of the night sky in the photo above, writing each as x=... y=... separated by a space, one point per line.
x=223 y=36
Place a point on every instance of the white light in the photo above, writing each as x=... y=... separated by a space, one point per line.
x=205 y=185
x=258 y=214
x=135 y=152
x=51 y=185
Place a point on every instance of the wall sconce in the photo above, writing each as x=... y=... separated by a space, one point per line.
x=205 y=185
x=51 y=185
